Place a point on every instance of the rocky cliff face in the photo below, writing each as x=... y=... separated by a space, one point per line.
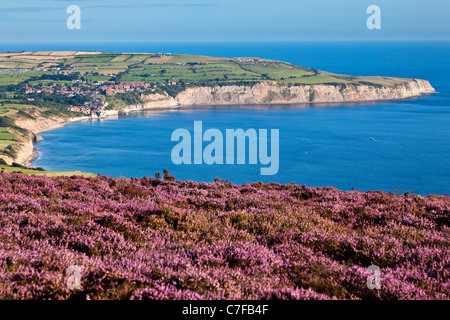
x=24 y=148
x=41 y=123
x=276 y=93
x=24 y=152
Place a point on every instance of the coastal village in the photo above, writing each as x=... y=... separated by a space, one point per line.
x=93 y=89
x=95 y=107
x=108 y=88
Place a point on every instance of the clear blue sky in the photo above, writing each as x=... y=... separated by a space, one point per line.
x=221 y=20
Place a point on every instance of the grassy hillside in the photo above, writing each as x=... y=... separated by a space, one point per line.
x=153 y=239
x=158 y=68
x=35 y=172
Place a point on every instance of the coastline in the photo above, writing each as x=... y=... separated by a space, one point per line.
x=27 y=153
x=196 y=97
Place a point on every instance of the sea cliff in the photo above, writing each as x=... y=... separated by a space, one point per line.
x=278 y=93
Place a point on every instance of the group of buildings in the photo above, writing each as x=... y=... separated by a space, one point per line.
x=81 y=87
x=69 y=91
x=95 y=107
x=110 y=88
x=92 y=89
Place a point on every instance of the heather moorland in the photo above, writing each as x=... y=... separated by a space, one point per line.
x=163 y=239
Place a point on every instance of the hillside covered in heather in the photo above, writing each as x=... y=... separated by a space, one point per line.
x=154 y=239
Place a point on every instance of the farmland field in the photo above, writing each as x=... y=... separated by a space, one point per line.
x=157 y=68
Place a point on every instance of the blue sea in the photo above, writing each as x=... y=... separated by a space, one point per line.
x=319 y=145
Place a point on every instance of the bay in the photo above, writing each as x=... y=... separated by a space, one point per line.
x=319 y=145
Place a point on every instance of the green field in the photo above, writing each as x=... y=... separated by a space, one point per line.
x=6 y=138
x=159 y=68
x=46 y=173
x=18 y=78
x=5 y=134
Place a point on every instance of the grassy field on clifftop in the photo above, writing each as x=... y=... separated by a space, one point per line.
x=160 y=68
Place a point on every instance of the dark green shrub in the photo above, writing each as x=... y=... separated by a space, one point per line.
x=23 y=114
x=9 y=151
x=6 y=122
x=18 y=165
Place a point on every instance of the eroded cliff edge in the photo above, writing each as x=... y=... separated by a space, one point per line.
x=276 y=93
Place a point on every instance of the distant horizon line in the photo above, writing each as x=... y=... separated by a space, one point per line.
x=224 y=41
